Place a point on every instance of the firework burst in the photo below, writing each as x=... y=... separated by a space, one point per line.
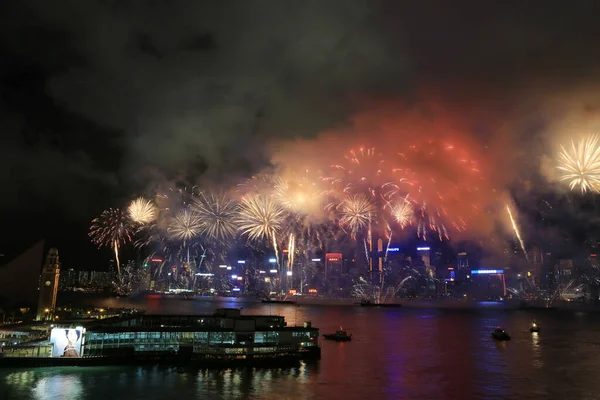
x=444 y=185
x=402 y=211
x=260 y=217
x=363 y=172
x=111 y=229
x=357 y=212
x=216 y=214
x=579 y=164
x=184 y=226
x=297 y=194
x=142 y=211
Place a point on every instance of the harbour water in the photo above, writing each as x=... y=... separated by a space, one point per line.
x=394 y=354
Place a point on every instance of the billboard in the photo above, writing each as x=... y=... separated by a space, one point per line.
x=66 y=342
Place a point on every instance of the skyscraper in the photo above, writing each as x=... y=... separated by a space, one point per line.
x=462 y=261
x=423 y=253
x=536 y=261
x=48 y=286
x=333 y=265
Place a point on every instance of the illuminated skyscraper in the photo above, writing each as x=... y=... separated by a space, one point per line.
x=48 y=286
x=462 y=261
x=536 y=260
x=423 y=253
x=333 y=265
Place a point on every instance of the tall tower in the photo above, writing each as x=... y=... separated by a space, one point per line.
x=48 y=287
x=423 y=252
x=333 y=265
x=462 y=262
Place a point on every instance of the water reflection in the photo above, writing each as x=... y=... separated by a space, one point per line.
x=416 y=354
x=43 y=384
x=537 y=361
x=492 y=360
x=58 y=387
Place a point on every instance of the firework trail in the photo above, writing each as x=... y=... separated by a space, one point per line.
x=216 y=214
x=379 y=294
x=179 y=197
x=259 y=217
x=142 y=211
x=389 y=241
x=517 y=233
x=274 y=240
x=291 y=251
x=579 y=164
x=111 y=229
x=257 y=185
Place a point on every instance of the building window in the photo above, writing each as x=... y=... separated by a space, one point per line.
x=259 y=337
x=201 y=337
x=215 y=338
x=228 y=337
x=266 y=337
x=272 y=337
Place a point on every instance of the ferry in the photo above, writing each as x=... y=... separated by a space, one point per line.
x=225 y=338
x=277 y=300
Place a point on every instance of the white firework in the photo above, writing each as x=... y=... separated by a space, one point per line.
x=579 y=164
x=185 y=226
x=142 y=211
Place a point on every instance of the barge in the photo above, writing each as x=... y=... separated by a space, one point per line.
x=225 y=338
x=371 y=304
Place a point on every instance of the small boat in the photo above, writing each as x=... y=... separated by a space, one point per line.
x=339 y=336
x=500 y=334
x=367 y=303
x=535 y=328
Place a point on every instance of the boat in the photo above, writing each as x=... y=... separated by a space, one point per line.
x=368 y=303
x=535 y=307
x=535 y=328
x=274 y=300
x=500 y=334
x=225 y=338
x=339 y=336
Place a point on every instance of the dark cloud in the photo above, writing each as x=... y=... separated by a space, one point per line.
x=196 y=80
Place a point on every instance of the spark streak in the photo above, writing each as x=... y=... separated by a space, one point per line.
x=516 y=229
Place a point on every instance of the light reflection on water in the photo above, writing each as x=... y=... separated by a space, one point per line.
x=394 y=354
x=537 y=351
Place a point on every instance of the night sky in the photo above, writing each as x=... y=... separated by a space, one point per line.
x=104 y=100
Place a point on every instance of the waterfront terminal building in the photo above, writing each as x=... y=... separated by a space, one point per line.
x=221 y=338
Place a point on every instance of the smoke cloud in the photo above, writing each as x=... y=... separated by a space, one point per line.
x=124 y=96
